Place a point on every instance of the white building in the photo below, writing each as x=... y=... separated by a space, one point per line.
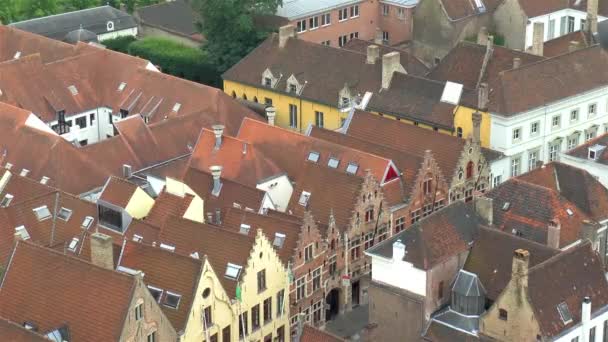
x=558 y=23
x=539 y=110
x=592 y=157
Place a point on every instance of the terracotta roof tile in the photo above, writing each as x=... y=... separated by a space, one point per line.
x=14 y=332
x=13 y=40
x=561 y=45
x=411 y=63
x=167 y=204
x=312 y=334
x=461 y=9
x=118 y=191
x=189 y=237
x=71 y=287
x=582 y=151
x=168 y=271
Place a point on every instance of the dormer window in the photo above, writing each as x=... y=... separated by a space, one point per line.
x=233 y=271
x=594 y=151
x=345 y=102
x=293 y=85
x=293 y=88
x=110 y=218
x=267 y=82
x=268 y=79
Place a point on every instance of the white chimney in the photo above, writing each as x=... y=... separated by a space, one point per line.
x=373 y=54
x=586 y=318
x=538 y=38
x=127 y=171
x=378 y=37
x=553 y=233
x=516 y=62
x=592 y=9
x=398 y=250
x=216 y=172
x=271 y=113
x=286 y=32
x=218 y=130
x=391 y=62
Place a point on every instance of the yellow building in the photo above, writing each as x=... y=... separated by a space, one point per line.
x=312 y=84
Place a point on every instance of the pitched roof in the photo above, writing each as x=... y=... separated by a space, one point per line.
x=534 y=8
x=13 y=41
x=463 y=64
x=189 y=237
x=312 y=334
x=534 y=85
x=53 y=290
x=167 y=204
x=118 y=191
x=440 y=332
x=176 y=17
x=491 y=258
x=17 y=333
x=411 y=63
x=93 y=19
x=582 y=151
x=463 y=9
x=567 y=277
x=178 y=274
x=560 y=45
x=291 y=150
x=434 y=239
x=577 y=185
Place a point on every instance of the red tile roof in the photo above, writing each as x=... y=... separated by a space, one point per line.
x=582 y=151
x=14 y=332
x=411 y=63
x=53 y=290
x=118 y=191
x=167 y=204
x=462 y=9
x=561 y=45
x=168 y=271
x=13 y=40
x=312 y=334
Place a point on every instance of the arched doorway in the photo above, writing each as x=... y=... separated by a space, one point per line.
x=333 y=304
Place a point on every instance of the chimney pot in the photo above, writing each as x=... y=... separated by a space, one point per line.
x=398 y=250
x=271 y=113
x=216 y=172
x=218 y=131
x=516 y=62
x=286 y=32
x=553 y=233
x=373 y=54
x=391 y=62
x=538 y=38
x=519 y=272
x=127 y=171
x=586 y=313
x=102 y=250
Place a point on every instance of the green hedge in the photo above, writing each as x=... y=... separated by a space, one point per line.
x=172 y=57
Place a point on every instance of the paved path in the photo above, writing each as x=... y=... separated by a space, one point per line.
x=351 y=324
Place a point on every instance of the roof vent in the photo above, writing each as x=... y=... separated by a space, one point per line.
x=73 y=90
x=8 y=166
x=216 y=173
x=177 y=106
x=218 y=131
x=17 y=55
x=304 y=198
x=137 y=238
x=245 y=228
x=127 y=171
x=122 y=86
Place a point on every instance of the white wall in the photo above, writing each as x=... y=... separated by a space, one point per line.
x=400 y=274
x=279 y=189
x=599 y=171
x=118 y=33
x=503 y=126
x=597 y=321
x=578 y=16
x=95 y=130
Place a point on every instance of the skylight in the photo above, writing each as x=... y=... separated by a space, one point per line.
x=137 y=238
x=177 y=106
x=73 y=90
x=22 y=232
x=352 y=168
x=506 y=206
x=333 y=162
x=167 y=247
x=64 y=214
x=6 y=200
x=451 y=93
x=86 y=223
x=24 y=172
x=73 y=244
x=172 y=300
x=44 y=180
x=304 y=197
x=42 y=213
x=279 y=240
x=194 y=255
x=313 y=157
x=245 y=229
x=17 y=55
x=155 y=292
x=569 y=211
x=233 y=271
x=122 y=86
x=564 y=312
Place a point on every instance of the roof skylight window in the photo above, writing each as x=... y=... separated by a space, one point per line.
x=42 y=213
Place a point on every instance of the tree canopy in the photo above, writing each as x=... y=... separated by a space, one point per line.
x=228 y=26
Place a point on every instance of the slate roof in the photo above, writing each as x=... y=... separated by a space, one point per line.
x=566 y=277
x=17 y=333
x=189 y=237
x=436 y=238
x=312 y=334
x=168 y=271
x=491 y=258
x=80 y=35
x=176 y=17
x=69 y=289
x=534 y=85
x=582 y=151
x=463 y=64
x=93 y=19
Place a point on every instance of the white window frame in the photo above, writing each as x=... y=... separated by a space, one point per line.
x=574 y=115
x=516 y=134
x=515 y=166
x=555 y=125
x=313 y=23
x=354 y=11
x=325 y=19
x=532 y=126
x=592 y=110
x=385 y=10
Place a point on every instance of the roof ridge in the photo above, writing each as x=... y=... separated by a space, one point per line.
x=162 y=250
x=548 y=59
x=61 y=14
x=559 y=256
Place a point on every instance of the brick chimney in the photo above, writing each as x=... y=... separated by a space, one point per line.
x=482 y=36
x=391 y=62
x=538 y=38
x=484 y=207
x=519 y=271
x=286 y=32
x=271 y=113
x=476 y=118
x=591 y=23
x=373 y=54
x=398 y=250
x=553 y=233
x=102 y=250
x=482 y=96
x=516 y=62
x=572 y=46
x=218 y=131
x=216 y=173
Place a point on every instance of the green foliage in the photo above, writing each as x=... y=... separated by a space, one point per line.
x=120 y=44
x=175 y=58
x=229 y=29
x=499 y=39
x=36 y=8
